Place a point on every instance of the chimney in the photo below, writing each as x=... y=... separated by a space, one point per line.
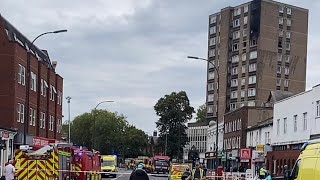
x=54 y=64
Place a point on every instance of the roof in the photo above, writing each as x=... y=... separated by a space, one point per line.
x=261 y=124
x=278 y=95
x=16 y=36
x=198 y=124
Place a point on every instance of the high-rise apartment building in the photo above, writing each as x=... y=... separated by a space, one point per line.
x=258 y=47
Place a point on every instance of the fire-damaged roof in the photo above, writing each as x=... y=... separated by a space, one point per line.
x=15 y=35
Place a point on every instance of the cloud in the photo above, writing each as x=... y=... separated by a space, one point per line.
x=131 y=51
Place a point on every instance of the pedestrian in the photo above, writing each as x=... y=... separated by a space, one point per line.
x=262 y=172
x=204 y=168
x=286 y=172
x=186 y=175
x=268 y=176
x=139 y=173
x=197 y=173
x=9 y=171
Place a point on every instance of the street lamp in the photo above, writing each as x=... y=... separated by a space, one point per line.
x=217 y=113
x=166 y=144
x=69 y=119
x=94 y=122
x=25 y=129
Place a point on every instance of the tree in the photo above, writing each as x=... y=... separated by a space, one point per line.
x=202 y=113
x=174 y=111
x=113 y=134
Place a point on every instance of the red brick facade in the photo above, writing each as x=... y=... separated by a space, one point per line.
x=13 y=54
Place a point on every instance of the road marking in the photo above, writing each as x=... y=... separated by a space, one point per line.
x=117 y=177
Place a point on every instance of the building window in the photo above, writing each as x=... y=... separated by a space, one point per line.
x=288 y=22
x=233 y=106
x=252 y=79
x=235 y=47
x=236 y=35
x=251 y=103
x=52 y=92
x=244 y=57
x=210 y=97
x=211 y=75
x=286 y=83
x=235 y=59
x=213 y=19
x=245 y=20
x=212 y=41
x=288 y=35
x=20 y=111
x=237 y=12
x=278 y=126
x=253 y=55
x=252 y=67
x=280 y=33
x=234 y=82
x=288 y=11
x=43 y=89
x=251 y=92
x=210 y=86
x=213 y=30
x=318 y=108
x=243 y=69
x=243 y=93
x=210 y=109
x=281 y=21
x=212 y=53
x=236 y=23
x=59 y=98
x=253 y=42
x=32 y=115
x=284 y=125
x=279 y=69
x=288 y=46
x=245 y=33
x=234 y=71
x=278 y=82
x=267 y=138
x=286 y=71
x=33 y=84
x=42 y=120
x=243 y=81
x=211 y=64
x=22 y=75
x=234 y=94
x=245 y=9
x=279 y=57
x=287 y=57
x=51 y=122
x=295 y=123
x=305 y=121
x=59 y=126
x=281 y=9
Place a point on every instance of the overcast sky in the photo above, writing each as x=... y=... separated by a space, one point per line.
x=132 y=51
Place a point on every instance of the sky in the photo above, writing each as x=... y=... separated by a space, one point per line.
x=132 y=51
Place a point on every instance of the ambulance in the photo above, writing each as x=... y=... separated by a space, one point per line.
x=109 y=165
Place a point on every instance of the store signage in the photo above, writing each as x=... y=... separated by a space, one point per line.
x=39 y=141
x=245 y=154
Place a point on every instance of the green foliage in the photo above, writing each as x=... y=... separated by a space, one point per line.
x=113 y=134
x=174 y=111
x=202 y=113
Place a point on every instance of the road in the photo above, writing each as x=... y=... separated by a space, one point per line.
x=124 y=175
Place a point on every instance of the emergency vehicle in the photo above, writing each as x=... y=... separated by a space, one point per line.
x=58 y=161
x=109 y=165
x=161 y=164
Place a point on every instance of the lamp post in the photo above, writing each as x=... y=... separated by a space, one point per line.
x=69 y=119
x=26 y=110
x=94 y=122
x=166 y=144
x=217 y=113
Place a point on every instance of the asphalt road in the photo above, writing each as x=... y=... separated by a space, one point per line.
x=124 y=175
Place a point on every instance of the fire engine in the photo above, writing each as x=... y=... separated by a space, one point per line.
x=58 y=161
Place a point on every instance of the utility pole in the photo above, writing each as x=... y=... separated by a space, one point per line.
x=69 y=119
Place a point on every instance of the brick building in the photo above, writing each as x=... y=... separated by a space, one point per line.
x=235 y=131
x=258 y=47
x=45 y=93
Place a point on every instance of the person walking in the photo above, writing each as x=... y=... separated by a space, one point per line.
x=9 y=171
x=286 y=172
x=139 y=173
x=186 y=175
x=262 y=172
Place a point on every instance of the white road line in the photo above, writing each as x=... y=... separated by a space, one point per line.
x=117 y=177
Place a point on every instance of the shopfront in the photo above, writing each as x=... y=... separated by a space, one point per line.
x=245 y=159
x=6 y=145
x=211 y=159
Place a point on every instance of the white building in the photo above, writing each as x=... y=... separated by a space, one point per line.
x=259 y=134
x=211 y=142
x=296 y=118
x=197 y=137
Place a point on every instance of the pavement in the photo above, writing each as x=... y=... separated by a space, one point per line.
x=125 y=174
